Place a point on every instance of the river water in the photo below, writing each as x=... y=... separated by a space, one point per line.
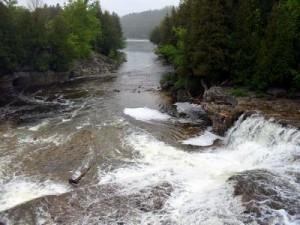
x=148 y=166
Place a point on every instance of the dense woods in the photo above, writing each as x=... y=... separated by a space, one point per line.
x=45 y=37
x=140 y=25
x=251 y=43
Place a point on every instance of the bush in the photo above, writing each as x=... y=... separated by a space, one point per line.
x=42 y=62
x=168 y=80
x=239 y=92
x=180 y=84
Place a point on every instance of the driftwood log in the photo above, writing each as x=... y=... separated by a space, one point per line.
x=76 y=180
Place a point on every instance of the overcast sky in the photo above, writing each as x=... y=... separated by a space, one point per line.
x=121 y=7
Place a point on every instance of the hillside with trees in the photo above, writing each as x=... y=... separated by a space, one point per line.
x=46 y=38
x=140 y=25
x=249 y=43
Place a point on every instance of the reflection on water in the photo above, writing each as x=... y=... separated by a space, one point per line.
x=141 y=172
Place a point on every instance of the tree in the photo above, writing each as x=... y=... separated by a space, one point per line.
x=111 y=37
x=278 y=59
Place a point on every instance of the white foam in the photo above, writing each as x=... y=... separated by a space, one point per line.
x=83 y=124
x=146 y=114
x=65 y=120
x=21 y=190
x=186 y=107
x=206 y=139
x=54 y=139
x=201 y=192
x=193 y=113
x=38 y=126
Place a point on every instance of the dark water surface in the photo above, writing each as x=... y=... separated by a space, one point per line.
x=140 y=173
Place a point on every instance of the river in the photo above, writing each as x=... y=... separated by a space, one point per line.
x=148 y=166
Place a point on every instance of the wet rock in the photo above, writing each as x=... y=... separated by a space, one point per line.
x=276 y=92
x=27 y=79
x=221 y=116
x=223 y=109
x=219 y=95
x=98 y=204
x=263 y=193
x=153 y=199
x=96 y=65
x=220 y=108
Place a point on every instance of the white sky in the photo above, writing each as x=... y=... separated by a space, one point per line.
x=121 y=7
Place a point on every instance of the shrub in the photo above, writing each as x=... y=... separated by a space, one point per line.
x=239 y=92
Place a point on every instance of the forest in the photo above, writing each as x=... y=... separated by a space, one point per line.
x=245 y=43
x=140 y=25
x=42 y=38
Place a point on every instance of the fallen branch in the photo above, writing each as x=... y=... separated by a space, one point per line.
x=77 y=179
x=193 y=99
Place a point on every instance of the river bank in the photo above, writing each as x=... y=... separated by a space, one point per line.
x=223 y=109
x=96 y=65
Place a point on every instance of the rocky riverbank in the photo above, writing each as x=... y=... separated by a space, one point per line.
x=96 y=65
x=223 y=109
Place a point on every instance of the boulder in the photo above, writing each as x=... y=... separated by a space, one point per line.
x=222 y=116
x=223 y=109
x=219 y=95
x=276 y=92
x=26 y=79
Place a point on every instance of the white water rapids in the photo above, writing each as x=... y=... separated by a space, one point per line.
x=202 y=193
x=151 y=162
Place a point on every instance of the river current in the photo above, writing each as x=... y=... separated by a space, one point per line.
x=148 y=166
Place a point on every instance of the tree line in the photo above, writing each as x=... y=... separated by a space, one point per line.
x=140 y=25
x=45 y=37
x=251 y=43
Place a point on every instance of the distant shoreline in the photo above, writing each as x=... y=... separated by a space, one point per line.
x=137 y=40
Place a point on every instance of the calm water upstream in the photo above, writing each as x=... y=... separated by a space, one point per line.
x=143 y=167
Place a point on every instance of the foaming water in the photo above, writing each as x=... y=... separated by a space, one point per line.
x=20 y=190
x=140 y=172
x=202 y=193
x=146 y=114
x=206 y=139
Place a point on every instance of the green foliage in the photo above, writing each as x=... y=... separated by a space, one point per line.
x=155 y=36
x=180 y=84
x=278 y=54
x=43 y=62
x=51 y=38
x=296 y=79
x=239 y=92
x=260 y=94
x=251 y=42
x=168 y=80
x=112 y=37
x=84 y=27
x=176 y=54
